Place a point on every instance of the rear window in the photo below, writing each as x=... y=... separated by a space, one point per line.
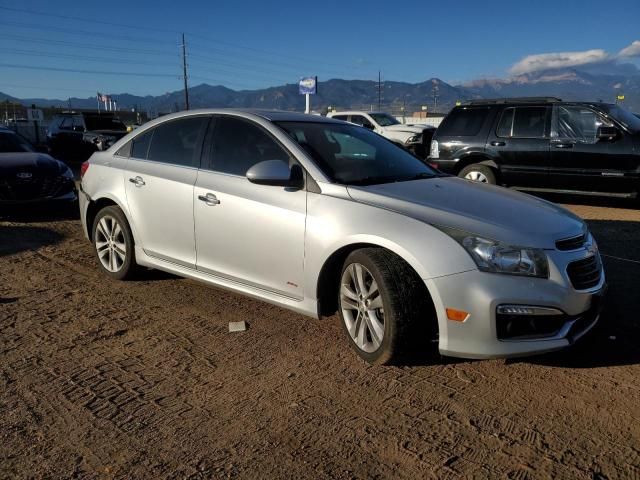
x=463 y=122
x=104 y=122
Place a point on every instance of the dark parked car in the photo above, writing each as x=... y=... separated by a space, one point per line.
x=542 y=144
x=75 y=136
x=27 y=176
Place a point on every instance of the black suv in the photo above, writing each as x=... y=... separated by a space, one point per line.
x=542 y=144
x=74 y=136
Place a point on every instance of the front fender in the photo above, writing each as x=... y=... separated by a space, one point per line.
x=335 y=223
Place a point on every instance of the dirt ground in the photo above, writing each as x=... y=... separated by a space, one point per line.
x=101 y=379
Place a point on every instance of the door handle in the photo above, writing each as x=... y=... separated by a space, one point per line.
x=210 y=199
x=563 y=145
x=137 y=181
x=498 y=144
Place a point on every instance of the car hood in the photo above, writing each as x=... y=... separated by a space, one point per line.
x=486 y=210
x=407 y=128
x=37 y=164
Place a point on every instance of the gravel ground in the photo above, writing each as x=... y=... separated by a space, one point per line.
x=101 y=379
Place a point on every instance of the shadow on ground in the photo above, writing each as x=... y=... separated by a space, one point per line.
x=18 y=238
x=40 y=213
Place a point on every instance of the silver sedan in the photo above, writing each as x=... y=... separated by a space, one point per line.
x=318 y=216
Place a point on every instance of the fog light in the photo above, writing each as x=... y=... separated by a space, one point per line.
x=527 y=310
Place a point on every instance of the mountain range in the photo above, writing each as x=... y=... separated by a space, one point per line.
x=593 y=83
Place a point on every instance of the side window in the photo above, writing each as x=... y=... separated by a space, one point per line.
x=125 y=150
x=140 y=145
x=78 y=124
x=529 y=122
x=362 y=121
x=579 y=124
x=66 y=124
x=239 y=144
x=463 y=122
x=505 y=123
x=341 y=117
x=178 y=142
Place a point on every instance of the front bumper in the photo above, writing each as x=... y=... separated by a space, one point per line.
x=68 y=197
x=480 y=294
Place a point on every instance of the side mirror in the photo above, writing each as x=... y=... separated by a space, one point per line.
x=607 y=133
x=276 y=173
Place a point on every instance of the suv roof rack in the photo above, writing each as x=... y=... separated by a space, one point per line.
x=481 y=101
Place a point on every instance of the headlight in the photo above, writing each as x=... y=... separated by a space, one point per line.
x=68 y=174
x=497 y=257
x=414 y=139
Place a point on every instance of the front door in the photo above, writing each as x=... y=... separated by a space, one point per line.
x=247 y=233
x=581 y=161
x=521 y=143
x=159 y=182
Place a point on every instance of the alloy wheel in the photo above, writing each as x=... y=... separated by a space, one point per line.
x=477 y=176
x=362 y=307
x=110 y=244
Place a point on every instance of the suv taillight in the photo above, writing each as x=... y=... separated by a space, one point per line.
x=434 y=151
x=83 y=168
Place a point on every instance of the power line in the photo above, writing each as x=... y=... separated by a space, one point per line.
x=98 y=72
x=76 y=57
x=184 y=75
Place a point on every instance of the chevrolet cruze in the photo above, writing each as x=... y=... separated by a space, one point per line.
x=318 y=216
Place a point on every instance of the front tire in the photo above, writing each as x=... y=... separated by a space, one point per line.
x=385 y=308
x=113 y=244
x=478 y=173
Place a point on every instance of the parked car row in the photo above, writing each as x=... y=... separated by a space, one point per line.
x=31 y=177
x=320 y=216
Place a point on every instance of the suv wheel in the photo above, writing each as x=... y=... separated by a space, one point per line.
x=382 y=304
x=478 y=173
x=113 y=243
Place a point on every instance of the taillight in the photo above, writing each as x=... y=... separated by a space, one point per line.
x=434 y=150
x=83 y=168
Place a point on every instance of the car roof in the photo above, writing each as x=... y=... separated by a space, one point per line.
x=270 y=115
x=358 y=112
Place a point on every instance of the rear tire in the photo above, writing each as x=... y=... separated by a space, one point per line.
x=478 y=173
x=385 y=307
x=113 y=244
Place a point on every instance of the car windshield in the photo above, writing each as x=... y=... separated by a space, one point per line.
x=10 y=142
x=625 y=117
x=352 y=155
x=384 y=119
x=102 y=122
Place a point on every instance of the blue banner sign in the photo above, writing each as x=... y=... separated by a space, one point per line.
x=308 y=85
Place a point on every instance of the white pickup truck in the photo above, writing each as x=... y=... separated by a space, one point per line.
x=415 y=138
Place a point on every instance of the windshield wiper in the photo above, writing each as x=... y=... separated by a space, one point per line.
x=419 y=176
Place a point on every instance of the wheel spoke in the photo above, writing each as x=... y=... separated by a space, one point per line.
x=373 y=289
x=361 y=330
x=102 y=229
x=120 y=253
x=376 y=302
x=348 y=293
x=360 y=280
x=375 y=328
x=101 y=245
x=349 y=304
x=116 y=230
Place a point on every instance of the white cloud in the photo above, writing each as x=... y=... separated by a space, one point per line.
x=548 y=61
x=632 y=50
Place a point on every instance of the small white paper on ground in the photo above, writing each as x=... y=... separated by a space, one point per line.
x=240 y=326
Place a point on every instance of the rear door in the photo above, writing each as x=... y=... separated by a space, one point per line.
x=247 y=233
x=520 y=142
x=159 y=182
x=580 y=161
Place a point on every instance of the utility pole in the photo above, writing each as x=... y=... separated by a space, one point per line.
x=379 y=90
x=434 y=92
x=184 y=75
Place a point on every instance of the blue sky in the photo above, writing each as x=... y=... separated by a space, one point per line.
x=78 y=48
